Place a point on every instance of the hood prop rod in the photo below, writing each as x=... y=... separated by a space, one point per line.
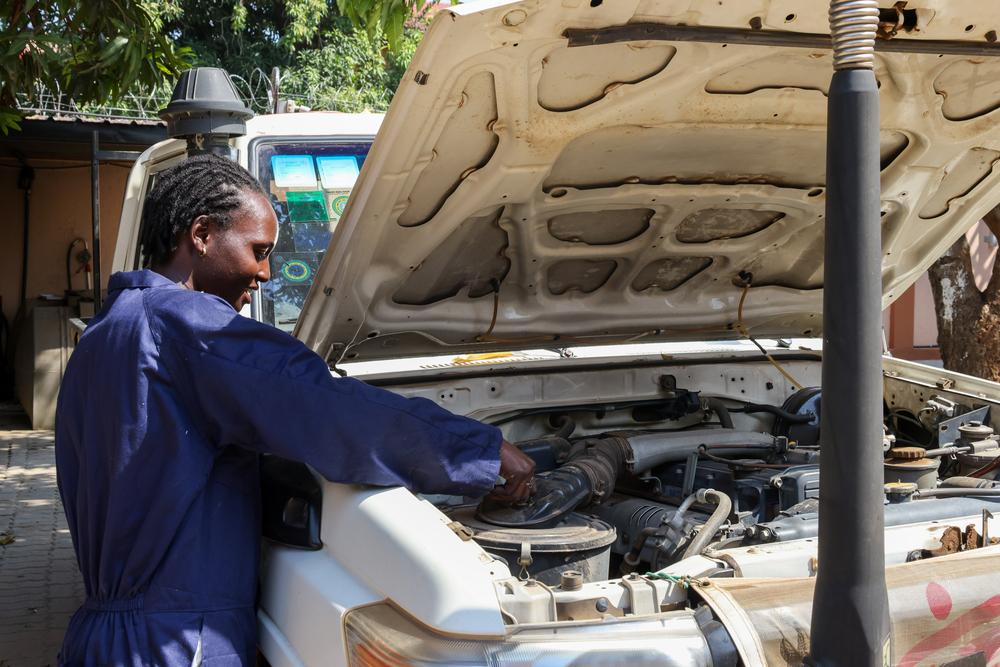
x=850 y=613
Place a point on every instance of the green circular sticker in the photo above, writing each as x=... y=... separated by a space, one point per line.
x=296 y=271
x=339 y=203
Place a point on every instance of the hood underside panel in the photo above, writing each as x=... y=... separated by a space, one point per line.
x=529 y=190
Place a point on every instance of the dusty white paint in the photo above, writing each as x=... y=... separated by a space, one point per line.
x=759 y=151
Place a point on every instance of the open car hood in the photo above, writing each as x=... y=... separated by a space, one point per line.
x=572 y=172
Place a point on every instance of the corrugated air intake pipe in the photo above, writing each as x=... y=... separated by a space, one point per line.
x=594 y=465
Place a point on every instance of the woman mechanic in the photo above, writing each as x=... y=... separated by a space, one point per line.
x=166 y=403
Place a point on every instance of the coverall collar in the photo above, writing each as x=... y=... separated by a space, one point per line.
x=138 y=280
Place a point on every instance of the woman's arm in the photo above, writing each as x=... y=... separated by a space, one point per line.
x=249 y=384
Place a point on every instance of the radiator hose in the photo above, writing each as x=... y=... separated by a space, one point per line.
x=724 y=506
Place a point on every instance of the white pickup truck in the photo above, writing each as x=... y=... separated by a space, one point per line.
x=574 y=218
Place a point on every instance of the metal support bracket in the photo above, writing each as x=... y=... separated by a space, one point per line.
x=948 y=428
x=642 y=593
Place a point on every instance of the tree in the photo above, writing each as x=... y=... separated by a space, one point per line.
x=328 y=60
x=387 y=16
x=345 y=55
x=88 y=52
x=968 y=319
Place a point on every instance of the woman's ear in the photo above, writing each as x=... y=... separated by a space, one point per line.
x=201 y=234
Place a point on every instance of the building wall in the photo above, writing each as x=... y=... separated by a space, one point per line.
x=924 y=316
x=911 y=322
x=60 y=212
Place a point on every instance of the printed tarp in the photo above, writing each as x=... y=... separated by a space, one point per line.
x=942 y=609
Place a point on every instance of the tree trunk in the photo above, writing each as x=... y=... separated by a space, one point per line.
x=968 y=320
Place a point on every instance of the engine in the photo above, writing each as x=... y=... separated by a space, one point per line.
x=688 y=474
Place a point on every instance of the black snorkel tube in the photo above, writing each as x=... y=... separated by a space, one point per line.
x=850 y=614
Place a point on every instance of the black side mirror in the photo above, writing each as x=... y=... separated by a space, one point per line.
x=291 y=503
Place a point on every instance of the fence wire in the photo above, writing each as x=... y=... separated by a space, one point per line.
x=256 y=91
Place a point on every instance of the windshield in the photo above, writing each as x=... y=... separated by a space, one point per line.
x=308 y=183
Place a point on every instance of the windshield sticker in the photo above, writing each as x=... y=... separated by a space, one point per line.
x=296 y=271
x=307 y=207
x=338 y=204
x=291 y=278
x=337 y=171
x=293 y=171
x=310 y=237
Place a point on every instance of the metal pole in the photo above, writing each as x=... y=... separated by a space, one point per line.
x=25 y=179
x=95 y=212
x=850 y=614
x=275 y=88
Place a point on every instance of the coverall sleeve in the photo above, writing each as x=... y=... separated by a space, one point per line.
x=248 y=384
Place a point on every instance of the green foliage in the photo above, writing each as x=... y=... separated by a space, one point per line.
x=304 y=20
x=344 y=55
x=328 y=59
x=351 y=72
x=91 y=51
x=386 y=16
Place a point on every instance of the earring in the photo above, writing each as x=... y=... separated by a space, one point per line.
x=203 y=251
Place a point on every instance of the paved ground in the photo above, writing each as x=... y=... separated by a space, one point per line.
x=40 y=584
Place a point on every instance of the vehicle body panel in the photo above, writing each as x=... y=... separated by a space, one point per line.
x=532 y=188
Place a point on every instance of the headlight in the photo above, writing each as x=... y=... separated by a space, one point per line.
x=381 y=636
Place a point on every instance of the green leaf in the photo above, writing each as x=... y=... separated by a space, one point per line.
x=113 y=48
x=9 y=121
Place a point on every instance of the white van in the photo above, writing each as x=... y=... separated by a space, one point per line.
x=600 y=226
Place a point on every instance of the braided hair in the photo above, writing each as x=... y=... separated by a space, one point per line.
x=202 y=185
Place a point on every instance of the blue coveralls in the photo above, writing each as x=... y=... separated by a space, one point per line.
x=165 y=404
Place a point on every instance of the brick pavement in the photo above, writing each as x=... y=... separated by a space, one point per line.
x=40 y=585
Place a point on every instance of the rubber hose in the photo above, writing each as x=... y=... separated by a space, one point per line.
x=564 y=427
x=956 y=493
x=677 y=519
x=967 y=483
x=710 y=527
x=720 y=409
x=943 y=451
x=789 y=417
x=631 y=559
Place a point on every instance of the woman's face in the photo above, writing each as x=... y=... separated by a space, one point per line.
x=231 y=262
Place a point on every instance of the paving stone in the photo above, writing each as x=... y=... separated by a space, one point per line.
x=38 y=572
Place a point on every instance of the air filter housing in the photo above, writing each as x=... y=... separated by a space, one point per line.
x=205 y=109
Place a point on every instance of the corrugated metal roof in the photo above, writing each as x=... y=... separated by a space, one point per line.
x=96 y=119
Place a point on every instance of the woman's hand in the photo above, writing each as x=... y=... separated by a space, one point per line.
x=518 y=471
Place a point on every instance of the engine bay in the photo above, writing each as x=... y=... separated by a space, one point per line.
x=659 y=479
x=630 y=487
